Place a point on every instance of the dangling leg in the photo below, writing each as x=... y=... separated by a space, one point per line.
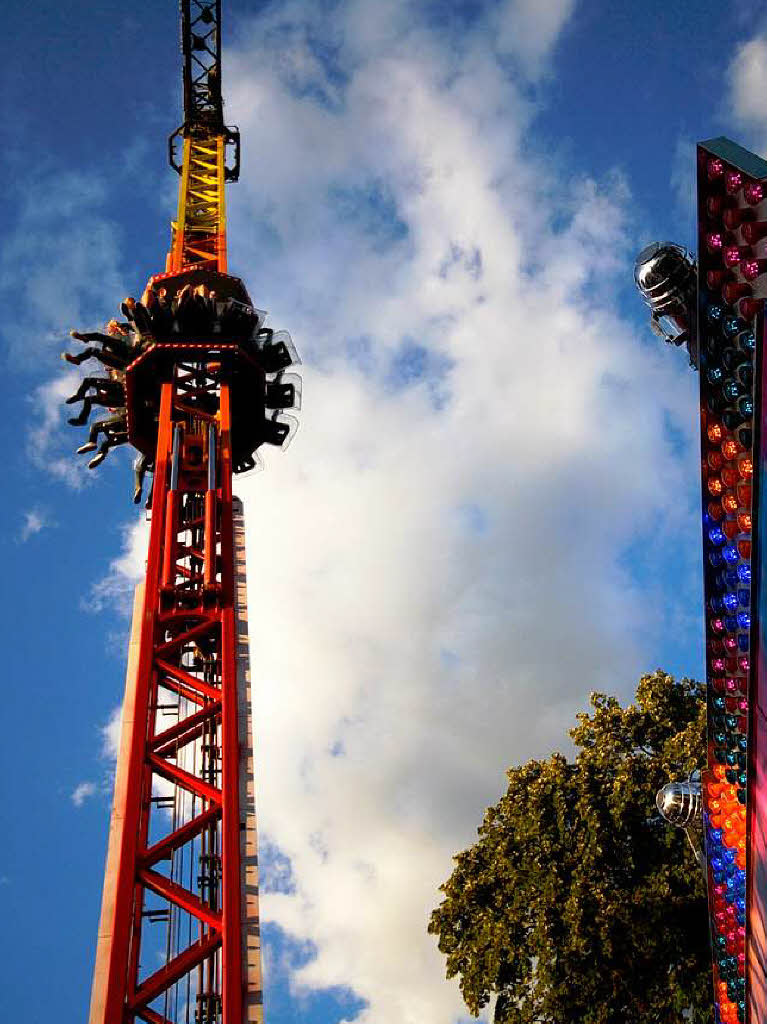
x=79 y=421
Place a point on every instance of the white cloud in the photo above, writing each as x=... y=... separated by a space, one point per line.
x=110 y=734
x=529 y=29
x=33 y=521
x=83 y=792
x=438 y=571
x=748 y=80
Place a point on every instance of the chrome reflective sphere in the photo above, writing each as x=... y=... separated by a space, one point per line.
x=680 y=803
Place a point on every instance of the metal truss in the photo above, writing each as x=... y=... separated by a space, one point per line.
x=199 y=233
x=175 y=846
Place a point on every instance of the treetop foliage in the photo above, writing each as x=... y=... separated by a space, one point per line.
x=578 y=904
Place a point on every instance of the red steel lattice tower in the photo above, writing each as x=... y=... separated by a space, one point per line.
x=178 y=936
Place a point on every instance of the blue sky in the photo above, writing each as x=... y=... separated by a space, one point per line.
x=489 y=509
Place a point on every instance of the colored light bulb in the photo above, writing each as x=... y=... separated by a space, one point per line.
x=730 y=448
x=730 y=554
x=744 y=573
x=733 y=182
x=743 y=491
x=714 y=241
x=733 y=254
x=747 y=341
x=730 y=503
x=732 y=291
x=744 y=523
x=752 y=268
x=734 y=216
x=745 y=467
x=714 y=432
x=714 y=168
x=716 y=278
x=714 y=374
x=715 y=511
x=753 y=192
x=749 y=307
x=744 y=620
x=754 y=231
x=714 y=313
x=729 y=475
x=746 y=405
x=731 y=325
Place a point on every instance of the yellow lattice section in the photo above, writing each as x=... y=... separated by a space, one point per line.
x=199 y=234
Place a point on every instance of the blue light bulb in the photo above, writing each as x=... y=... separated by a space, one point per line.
x=730 y=390
x=730 y=623
x=714 y=313
x=744 y=620
x=715 y=374
x=744 y=597
x=715 y=535
x=731 y=325
x=730 y=601
x=746 y=406
x=744 y=643
x=730 y=554
x=731 y=578
x=715 y=558
x=744 y=573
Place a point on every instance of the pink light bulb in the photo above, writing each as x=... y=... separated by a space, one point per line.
x=733 y=181
x=743 y=663
x=715 y=168
x=733 y=254
x=751 y=269
x=753 y=193
x=714 y=241
x=717 y=665
x=717 y=625
x=730 y=643
x=743 y=704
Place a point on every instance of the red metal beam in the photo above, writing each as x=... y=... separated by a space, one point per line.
x=175 y=893
x=186 y=780
x=176 y=968
x=165 y=847
x=181 y=730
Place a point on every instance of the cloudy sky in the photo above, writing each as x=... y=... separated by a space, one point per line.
x=490 y=507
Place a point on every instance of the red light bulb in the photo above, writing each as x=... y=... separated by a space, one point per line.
x=748 y=308
x=716 y=278
x=733 y=291
x=736 y=216
x=754 y=231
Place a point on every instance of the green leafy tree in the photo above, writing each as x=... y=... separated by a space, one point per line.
x=578 y=904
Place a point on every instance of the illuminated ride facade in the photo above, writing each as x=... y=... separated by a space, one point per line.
x=178 y=935
x=719 y=314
